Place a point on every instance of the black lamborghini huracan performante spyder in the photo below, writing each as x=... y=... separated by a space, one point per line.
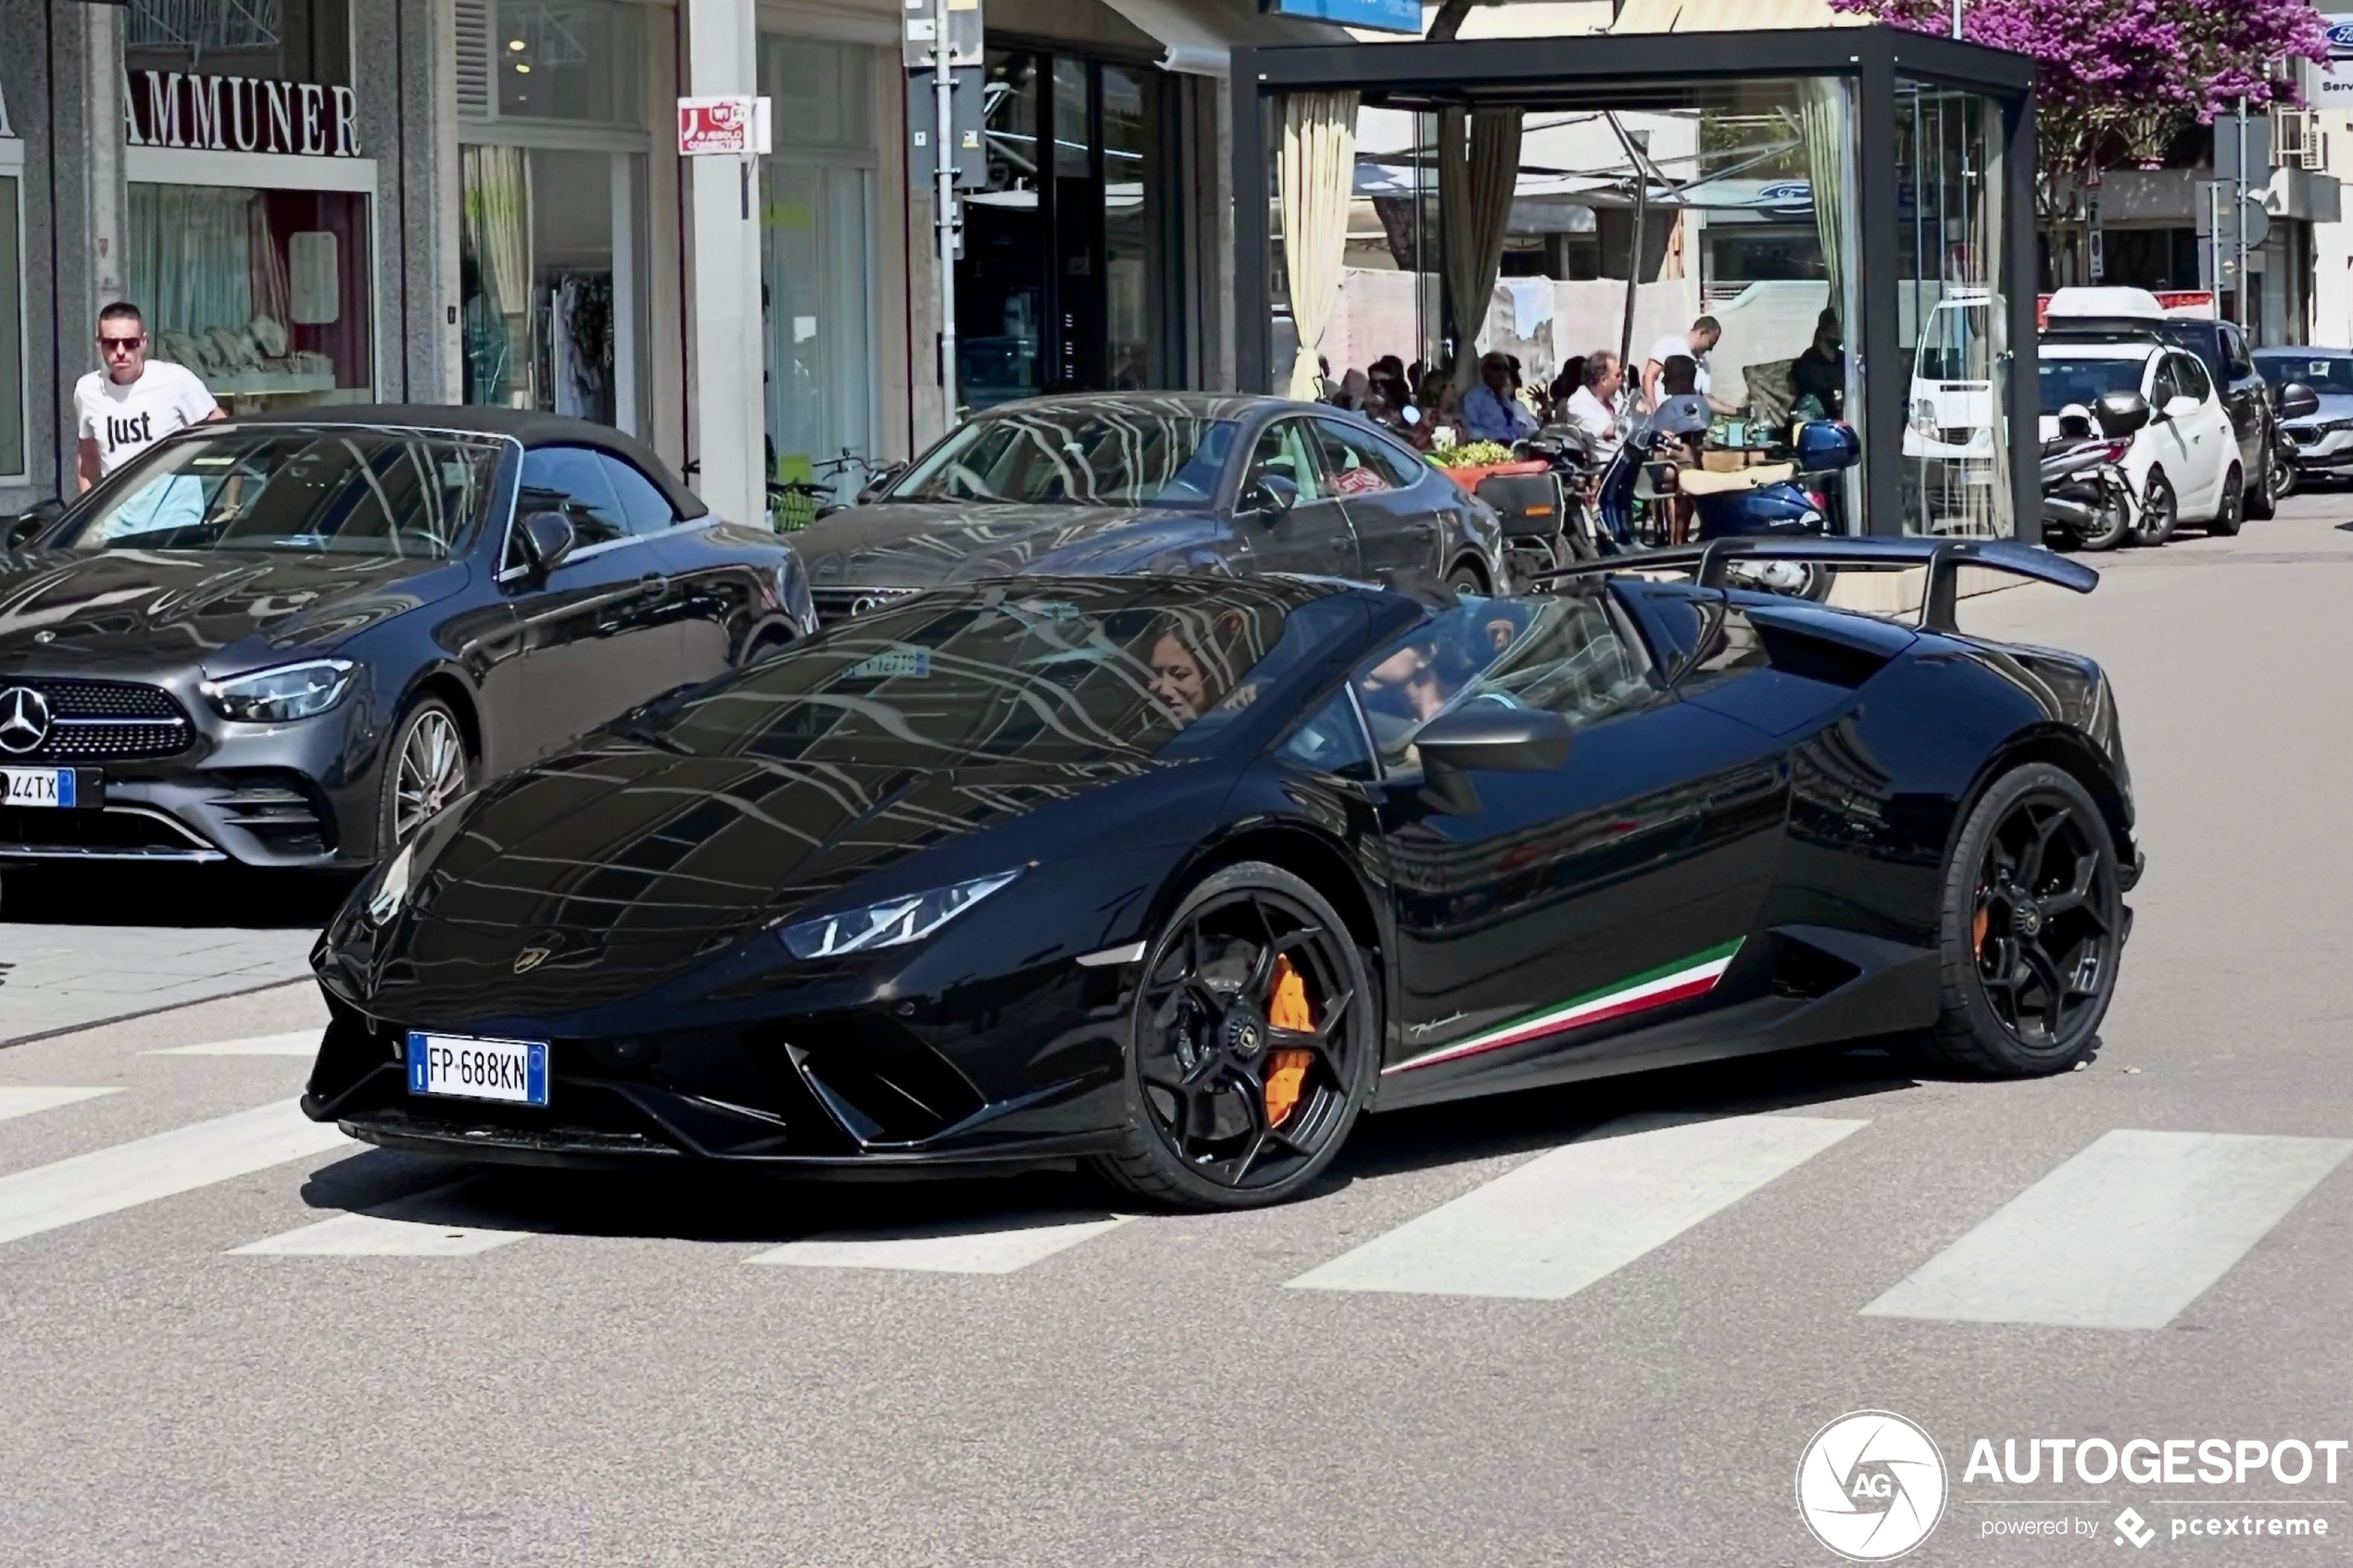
x=1181 y=876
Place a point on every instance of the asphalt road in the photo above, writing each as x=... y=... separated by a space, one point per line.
x=1595 y=1326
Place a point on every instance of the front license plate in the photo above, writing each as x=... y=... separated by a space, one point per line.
x=460 y=1067
x=37 y=786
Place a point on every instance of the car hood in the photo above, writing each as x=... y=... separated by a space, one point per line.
x=626 y=866
x=913 y=545
x=136 y=610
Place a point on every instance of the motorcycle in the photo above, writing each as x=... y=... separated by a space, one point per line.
x=2087 y=497
x=1784 y=508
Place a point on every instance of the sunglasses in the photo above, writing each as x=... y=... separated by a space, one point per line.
x=122 y=344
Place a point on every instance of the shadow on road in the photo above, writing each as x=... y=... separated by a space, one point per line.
x=169 y=896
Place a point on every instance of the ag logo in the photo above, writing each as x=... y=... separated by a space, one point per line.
x=1872 y=1486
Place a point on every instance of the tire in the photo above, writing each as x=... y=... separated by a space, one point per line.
x=1467 y=579
x=2263 y=500
x=1201 y=1132
x=2226 y=521
x=2286 y=479
x=427 y=741
x=2161 y=510
x=2115 y=529
x=1999 y=986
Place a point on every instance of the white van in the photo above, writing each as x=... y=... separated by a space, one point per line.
x=1951 y=411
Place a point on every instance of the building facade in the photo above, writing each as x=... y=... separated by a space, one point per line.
x=480 y=201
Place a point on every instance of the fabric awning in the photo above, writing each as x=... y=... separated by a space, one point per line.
x=1200 y=35
x=1730 y=16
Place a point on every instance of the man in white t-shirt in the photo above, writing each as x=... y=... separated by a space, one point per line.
x=131 y=404
x=1692 y=346
x=1590 y=407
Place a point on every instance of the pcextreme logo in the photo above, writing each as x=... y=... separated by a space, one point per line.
x=1872 y=1486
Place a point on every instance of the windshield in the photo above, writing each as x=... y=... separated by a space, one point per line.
x=2086 y=381
x=1106 y=456
x=318 y=492
x=1076 y=671
x=2331 y=372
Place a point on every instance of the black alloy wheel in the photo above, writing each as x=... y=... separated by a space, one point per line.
x=1256 y=1043
x=2226 y=520
x=2034 y=927
x=2264 y=496
x=426 y=769
x=1467 y=579
x=2161 y=510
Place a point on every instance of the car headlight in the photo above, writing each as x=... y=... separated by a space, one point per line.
x=392 y=888
x=890 y=924
x=273 y=697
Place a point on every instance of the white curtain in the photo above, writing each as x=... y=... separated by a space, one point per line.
x=1477 y=171
x=191 y=248
x=1318 y=177
x=1822 y=121
x=495 y=221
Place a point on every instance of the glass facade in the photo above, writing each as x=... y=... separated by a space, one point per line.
x=265 y=295
x=1953 y=311
x=12 y=432
x=551 y=256
x=1069 y=249
x=263 y=40
x=817 y=255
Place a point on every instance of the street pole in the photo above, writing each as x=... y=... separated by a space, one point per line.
x=944 y=166
x=1956 y=17
x=2238 y=214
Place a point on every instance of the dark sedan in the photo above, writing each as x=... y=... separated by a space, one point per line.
x=1183 y=874
x=288 y=640
x=1160 y=482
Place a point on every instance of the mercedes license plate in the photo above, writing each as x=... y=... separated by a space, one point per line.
x=37 y=786
x=461 y=1067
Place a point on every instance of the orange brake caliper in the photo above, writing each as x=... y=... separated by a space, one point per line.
x=1287 y=1070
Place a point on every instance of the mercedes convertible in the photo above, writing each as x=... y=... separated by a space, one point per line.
x=1178 y=876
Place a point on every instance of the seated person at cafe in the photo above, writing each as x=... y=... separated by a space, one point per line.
x=1588 y=408
x=1821 y=372
x=1491 y=411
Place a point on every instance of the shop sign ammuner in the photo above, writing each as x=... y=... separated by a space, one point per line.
x=240 y=114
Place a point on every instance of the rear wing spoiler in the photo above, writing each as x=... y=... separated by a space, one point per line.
x=1944 y=559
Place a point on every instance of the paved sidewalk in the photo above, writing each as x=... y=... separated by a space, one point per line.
x=57 y=977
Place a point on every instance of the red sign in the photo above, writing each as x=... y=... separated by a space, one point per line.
x=709 y=126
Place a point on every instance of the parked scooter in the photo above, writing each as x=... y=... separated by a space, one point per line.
x=2087 y=497
x=1785 y=508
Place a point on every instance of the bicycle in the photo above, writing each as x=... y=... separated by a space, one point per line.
x=797 y=503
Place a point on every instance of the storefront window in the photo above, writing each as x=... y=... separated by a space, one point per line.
x=263 y=293
x=817 y=258
x=1062 y=285
x=11 y=330
x=552 y=280
x=1953 y=312
x=573 y=61
x=263 y=40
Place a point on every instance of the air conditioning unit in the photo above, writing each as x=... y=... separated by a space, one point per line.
x=2297 y=142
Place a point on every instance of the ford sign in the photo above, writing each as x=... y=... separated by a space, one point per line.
x=2341 y=41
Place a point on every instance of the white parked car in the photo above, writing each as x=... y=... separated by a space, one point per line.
x=2184 y=463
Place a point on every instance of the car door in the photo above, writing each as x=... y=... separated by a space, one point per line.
x=2170 y=437
x=715 y=593
x=1539 y=913
x=1313 y=533
x=599 y=631
x=2206 y=427
x=2245 y=399
x=1399 y=533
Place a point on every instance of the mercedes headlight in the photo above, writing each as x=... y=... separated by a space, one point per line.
x=273 y=697
x=890 y=924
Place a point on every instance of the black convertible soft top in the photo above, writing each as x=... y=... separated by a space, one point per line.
x=527 y=425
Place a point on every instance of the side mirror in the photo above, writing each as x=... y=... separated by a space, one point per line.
x=2121 y=413
x=1270 y=495
x=2298 y=401
x=1825 y=445
x=1491 y=737
x=547 y=539
x=2181 y=407
x=879 y=481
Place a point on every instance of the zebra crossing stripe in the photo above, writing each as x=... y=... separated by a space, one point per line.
x=1549 y=1228
x=1679 y=981
x=302 y=1043
x=23 y=1100
x=988 y=1244
x=428 y=1224
x=2124 y=1234
x=126 y=1176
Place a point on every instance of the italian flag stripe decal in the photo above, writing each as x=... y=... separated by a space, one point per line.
x=1679 y=981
